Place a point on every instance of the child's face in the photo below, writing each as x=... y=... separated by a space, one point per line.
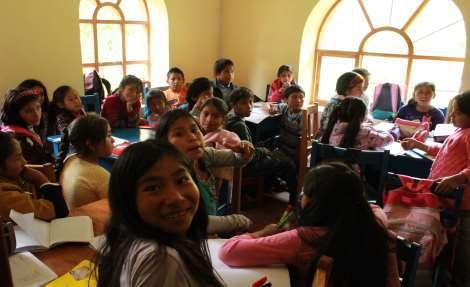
x=365 y=85
x=459 y=119
x=105 y=147
x=130 y=94
x=176 y=81
x=204 y=96
x=227 y=75
x=243 y=107
x=31 y=113
x=286 y=77
x=72 y=102
x=210 y=119
x=14 y=163
x=423 y=96
x=157 y=106
x=167 y=197
x=356 y=91
x=186 y=136
x=295 y=101
x=39 y=92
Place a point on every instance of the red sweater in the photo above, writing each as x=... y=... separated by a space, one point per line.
x=115 y=111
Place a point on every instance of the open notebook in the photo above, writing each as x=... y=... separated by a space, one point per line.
x=28 y=271
x=33 y=234
x=278 y=275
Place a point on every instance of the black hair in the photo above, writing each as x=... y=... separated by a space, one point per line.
x=429 y=85
x=174 y=70
x=240 y=93
x=6 y=142
x=347 y=81
x=126 y=226
x=31 y=83
x=356 y=240
x=197 y=87
x=362 y=71
x=168 y=119
x=462 y=101
x=221 y=64
x=15 y=99
x=58 y=99
x=218 y=104
x=90 y=128
x=352 y=111
x=155 y=94
x=283 y=68
x=292 y=89
x=131 y=80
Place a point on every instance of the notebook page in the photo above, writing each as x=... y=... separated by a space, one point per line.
x=71 y=229
x=27 y=270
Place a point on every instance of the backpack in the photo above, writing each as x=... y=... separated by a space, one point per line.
x=386 y=101
x=94 y=85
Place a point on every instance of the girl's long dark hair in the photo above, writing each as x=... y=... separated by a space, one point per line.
x=356 y=240
x=168 y=119
x=352 y=111
x=15 y=99
x=462 y=102
x=87 y=129
x=195 y=89
x=6 y=142
x=31 y=83
x=126 y=226
x=57 y=99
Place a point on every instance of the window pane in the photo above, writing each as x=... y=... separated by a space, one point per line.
x=345 y=28
x=331 y=69
x=108 y=13
x=87 y=8
x=386 y=42
x=136 y=42
x=379 y=11
x=437 y=15
x=113 y=74
x=450 y=41
x=86 y=43
x=402 y=11
x=385 y=70
x=447 y=76
x=109 y=1
x=138 y=70
x=109 y=42
x=134 y=10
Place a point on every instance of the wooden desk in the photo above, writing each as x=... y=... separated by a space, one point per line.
x=262 y=125
x=63 y=258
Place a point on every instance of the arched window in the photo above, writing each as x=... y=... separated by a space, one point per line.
x=398 y=41
x=114 y=37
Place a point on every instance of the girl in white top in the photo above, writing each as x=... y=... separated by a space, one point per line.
x=83 y=180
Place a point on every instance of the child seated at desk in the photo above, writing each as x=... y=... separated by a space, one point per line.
x=346 y=127
x=65 y=107
x=264 y=163
x=199 y=92
x=176 y=92
x=25 y=189
x=122 y=109
x=224 y=74
x=180 y=129
x=157 y=106
x=212 y=118
x=451 y=168
x=157 y=232
x=335 y=220
x=284 y=80
x=82 y=178
x=21 y=114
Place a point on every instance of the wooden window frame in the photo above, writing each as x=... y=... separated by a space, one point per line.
x=360 y=53
x=123 y=22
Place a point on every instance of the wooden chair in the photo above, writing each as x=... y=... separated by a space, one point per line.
x=309 y=127
x=91 y=103
x=47 y=169
x=323 y=272
x=408 y=254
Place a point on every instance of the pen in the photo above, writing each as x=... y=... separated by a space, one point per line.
x=260 y=282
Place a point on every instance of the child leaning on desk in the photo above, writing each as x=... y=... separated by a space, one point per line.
x=335 y=220
x=451 y=168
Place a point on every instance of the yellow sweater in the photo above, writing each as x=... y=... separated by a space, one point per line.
x=83 y=182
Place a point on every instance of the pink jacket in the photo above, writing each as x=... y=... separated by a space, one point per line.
x=453 y=157
x=221 y=139
x=367 y=138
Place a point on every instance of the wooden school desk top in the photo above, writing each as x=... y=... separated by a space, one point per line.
x=63 y=258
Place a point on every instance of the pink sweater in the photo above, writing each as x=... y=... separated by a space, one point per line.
x=453 y=157
x=367 y=138
x=221 y=139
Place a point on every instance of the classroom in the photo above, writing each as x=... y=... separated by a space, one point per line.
x=235 y=143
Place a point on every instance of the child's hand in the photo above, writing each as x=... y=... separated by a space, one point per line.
x=247 y=150
x=129 y=106
x=409 y=143
x=34 y=176
x=268 y=230
x=142 y=122
x=448 y=184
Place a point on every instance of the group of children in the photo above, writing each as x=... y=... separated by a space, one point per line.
x=166 y=194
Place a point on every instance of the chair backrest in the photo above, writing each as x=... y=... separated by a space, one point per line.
x=323 y=272
x=309 y=126
x=408 y=254
x=268 y=87
x=47 y=169
x=91 y=103
x=373 y=163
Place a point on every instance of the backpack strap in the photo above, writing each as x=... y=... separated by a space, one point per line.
x=14 y=129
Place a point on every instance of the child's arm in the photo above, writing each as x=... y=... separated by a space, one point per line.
x=217 y=158
x=24 y=202
x=111 y=113
x=431 y=149
x=379 y=139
